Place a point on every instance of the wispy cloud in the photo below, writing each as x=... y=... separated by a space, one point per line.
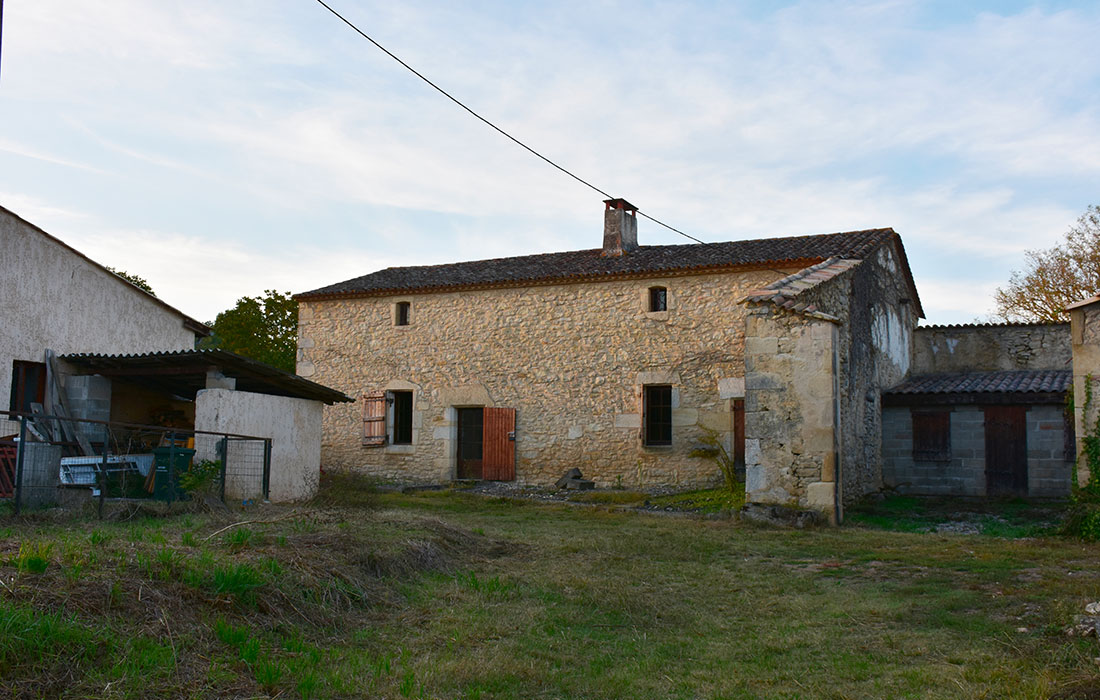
x=976 y=135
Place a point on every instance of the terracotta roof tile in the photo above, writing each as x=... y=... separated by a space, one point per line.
x=589 y=264
x=1012 y=381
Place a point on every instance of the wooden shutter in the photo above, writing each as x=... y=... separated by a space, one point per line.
x=374 y=419
x=932 y=436
x=499 y=444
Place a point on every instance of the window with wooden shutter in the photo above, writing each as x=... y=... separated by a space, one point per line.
x=374 y=419
x=932 y=436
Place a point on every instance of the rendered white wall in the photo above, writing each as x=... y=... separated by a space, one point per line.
x=294 y=425
x=53 y=298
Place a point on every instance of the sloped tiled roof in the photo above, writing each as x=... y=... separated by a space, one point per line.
x=1009 y=324
x=590 y=265
x=1009 y=381
x=784 y=293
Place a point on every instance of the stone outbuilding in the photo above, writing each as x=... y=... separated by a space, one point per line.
x=983 y=413
x=622 y=360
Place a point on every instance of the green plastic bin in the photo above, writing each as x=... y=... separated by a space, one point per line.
x=162 y=491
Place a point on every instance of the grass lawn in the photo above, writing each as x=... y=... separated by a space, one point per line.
x=450 y=595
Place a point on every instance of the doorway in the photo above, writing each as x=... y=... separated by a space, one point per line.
x=1006 y=450
x=470 y=442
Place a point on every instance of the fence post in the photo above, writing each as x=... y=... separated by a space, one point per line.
x=103 y=481
x=19 y=454
x=224 y=449
x=267 y=468
x=171 y=467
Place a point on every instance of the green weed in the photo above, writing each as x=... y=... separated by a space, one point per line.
x=241 y=537
x=237 y=580
x=229 y=634
x=34 y=557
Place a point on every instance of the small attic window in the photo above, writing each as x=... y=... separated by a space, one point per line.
x=401 y=313
x=658 y=299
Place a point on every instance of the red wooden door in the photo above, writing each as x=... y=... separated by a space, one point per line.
x=1006 y=450
x=499 y=444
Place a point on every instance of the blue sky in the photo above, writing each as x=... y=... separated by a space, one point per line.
x=220 y=149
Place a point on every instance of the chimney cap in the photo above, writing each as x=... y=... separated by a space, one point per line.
x=620 y=203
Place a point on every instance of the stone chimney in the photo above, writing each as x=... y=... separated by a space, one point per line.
x=620 y=228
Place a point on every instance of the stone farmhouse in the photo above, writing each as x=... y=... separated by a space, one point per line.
x=622 y=360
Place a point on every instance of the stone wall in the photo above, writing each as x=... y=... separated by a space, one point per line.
x=570 y=358
x=944 y=349
x=964 y=475
x=876 y=340
x=790 y=409
x=865 y=350
x=1085 y=341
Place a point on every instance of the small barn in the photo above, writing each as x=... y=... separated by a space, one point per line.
x=992 y=433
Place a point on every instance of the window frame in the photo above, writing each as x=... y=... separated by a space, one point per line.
x=657 y=415
x=931 y=435
x=401 y=427
x=402 y=313
x=657 y=299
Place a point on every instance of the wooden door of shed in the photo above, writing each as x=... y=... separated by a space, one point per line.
x=1006 y=450
x=499 y=444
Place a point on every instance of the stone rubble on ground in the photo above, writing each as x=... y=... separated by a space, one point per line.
x=1087 y=625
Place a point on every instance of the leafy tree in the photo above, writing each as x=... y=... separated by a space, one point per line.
x=132 y=279
x=1056 y=277
x=263 y=328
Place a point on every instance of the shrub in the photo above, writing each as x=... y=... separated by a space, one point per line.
x=201 y=475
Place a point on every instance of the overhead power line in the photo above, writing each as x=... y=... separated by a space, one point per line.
x=488 y=123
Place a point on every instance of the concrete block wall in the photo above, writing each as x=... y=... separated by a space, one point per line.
x=964 y=474
x=89 y=397
x=1048 y=471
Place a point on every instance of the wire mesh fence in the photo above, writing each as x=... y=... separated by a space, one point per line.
x=54 y=460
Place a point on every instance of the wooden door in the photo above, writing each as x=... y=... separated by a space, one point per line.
x=470 y=442
x=1006 y=450
x=499 y=444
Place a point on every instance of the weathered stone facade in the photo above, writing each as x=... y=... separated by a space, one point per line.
x=966 y=348
x=572 y=358
x=1085 y=341
x=814 y=375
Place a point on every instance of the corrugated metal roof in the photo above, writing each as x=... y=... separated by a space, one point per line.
x=187 y=375
x=583 y=265
x=1014 y=381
